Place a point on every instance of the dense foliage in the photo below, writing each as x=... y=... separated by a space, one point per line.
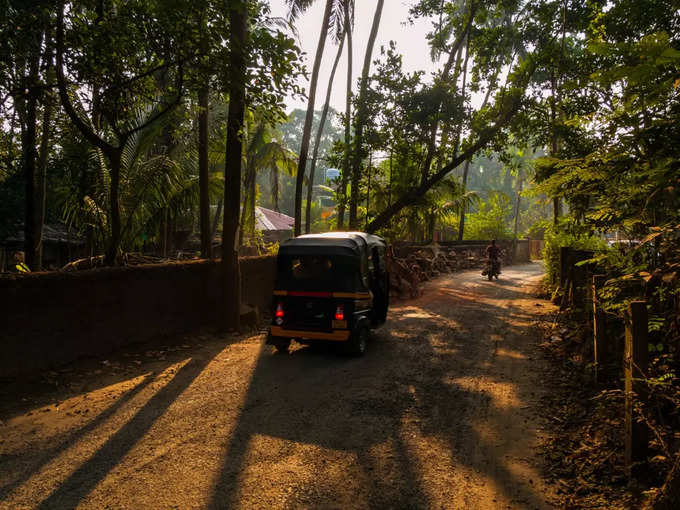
x=612 y=122
x=99 y=114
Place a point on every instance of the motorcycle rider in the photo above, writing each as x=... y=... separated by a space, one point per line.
x=493 y=253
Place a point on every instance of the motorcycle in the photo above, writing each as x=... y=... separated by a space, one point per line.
x=493 y=268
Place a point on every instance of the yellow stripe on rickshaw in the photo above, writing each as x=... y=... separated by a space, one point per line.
x=338 y=336
x=352 y=295
x=346 y=295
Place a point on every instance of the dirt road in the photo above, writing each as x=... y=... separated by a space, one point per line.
x=442 y=412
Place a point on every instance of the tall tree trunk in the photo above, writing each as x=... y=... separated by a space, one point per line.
x=238 y=11
x=554 y=144
x=518 y=202
x=461 y=223
x=274 y=187
x=453 y=62
x=247 y=232
x=252 y=205
x=28 y=140
x=28 y=148
x=319 y=132
x=348 y=123
x=216 y=219
x=361 y=119
x=459 y=131
x=389 y=187
x=557 y=206
x=114 y=243
x=309 y=118
x=368 y=188
x=41 y=181
x=203 y=172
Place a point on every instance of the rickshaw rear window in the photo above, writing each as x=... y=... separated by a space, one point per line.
x=318 y=272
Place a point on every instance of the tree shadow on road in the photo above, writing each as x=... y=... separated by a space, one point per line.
x=84 y=479
x=409 y=386
x=72 y=438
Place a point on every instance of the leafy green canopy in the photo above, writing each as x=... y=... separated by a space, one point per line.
x=131 y=71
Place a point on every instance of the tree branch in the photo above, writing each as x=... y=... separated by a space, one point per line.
x=459 y=40
x=130 y=81
x=166 y=109
x=484 y=138
x=82 y=126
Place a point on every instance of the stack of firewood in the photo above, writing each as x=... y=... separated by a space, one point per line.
x=409 y=271
x=126 y=259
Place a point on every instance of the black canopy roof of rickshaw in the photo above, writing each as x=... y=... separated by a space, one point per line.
x=342 y=243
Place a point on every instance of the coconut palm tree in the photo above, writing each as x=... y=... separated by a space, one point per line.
x=151 y=187
x=332 y=18
x=441 y=204
x=263 y=151
x=349 y=23
x=319 y=132
x=361 y=119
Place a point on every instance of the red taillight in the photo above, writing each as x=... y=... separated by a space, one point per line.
x=340 y=313
x=279 y=310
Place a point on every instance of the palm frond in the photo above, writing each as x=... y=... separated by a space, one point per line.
x=337 y=22
x=297 y=8
x=139 y=143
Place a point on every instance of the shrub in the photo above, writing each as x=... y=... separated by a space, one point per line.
x=570 y=234
x=491 y=220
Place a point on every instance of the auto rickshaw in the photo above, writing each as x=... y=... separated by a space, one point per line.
x=329 y=287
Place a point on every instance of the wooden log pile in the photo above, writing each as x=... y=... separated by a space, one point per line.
x=409 y=268
x=126 y=259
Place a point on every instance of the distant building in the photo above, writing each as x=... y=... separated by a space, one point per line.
x=275 y=226
x=60 y=246
x=332 y=174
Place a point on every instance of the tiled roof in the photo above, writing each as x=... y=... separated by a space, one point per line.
x=266 y=219
x=52 y=233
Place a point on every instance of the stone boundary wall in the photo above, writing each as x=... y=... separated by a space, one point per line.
x=50 y=319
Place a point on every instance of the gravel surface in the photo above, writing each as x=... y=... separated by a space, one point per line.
x=442 y=412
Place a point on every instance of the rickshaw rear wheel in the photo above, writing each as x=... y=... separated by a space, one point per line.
x=358 y=341
x=281 y=345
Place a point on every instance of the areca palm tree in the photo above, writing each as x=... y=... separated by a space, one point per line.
x=332 y=20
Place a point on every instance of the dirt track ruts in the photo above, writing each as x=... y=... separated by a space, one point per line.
x=442 y=412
